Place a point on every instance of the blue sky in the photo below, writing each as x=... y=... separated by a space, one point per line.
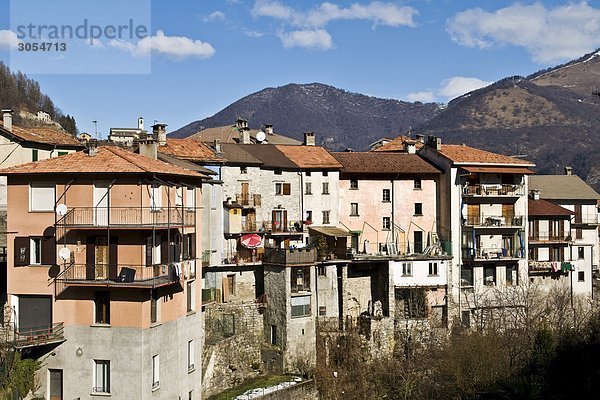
x=203 y=55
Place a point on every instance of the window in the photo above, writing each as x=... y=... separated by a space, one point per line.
x=101 y=376
x=308 y=173
x=34 y=155
x=386 y=223
x=511 y=275
x=322 y=311
x=153 y=307
x=325 y=187
x=191 y=356
x=418 y=208
x=417 y=183
x=62 y=153
x=191 y=395
x=179 y=196
x=418 y=242
x=406 y=269
x=353 y=183
x=321 y=270
x=580 y=253
x=581 y=276
x=386 y=196
x=326 y=217
x=278 y=189
x=300 y=306
x=308 y=188
x=325 y=173
x=273 y=335
x=277 y=171
x=309 y=215
x=413 y=302
x=282 y=188
x=190 y=198
x=155 y=197
x=155 y=371
x=300 y=279
x=102 y=307
x=243 y=170
x=466 y=275
x=190 y=297
x=35 y=247
x=433 y=269
x=489 y=276
x=42 y=196
x=354 y=209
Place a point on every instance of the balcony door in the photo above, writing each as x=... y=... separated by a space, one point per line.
x=245 y=193
x=35 y=314
x=101 y=258
x=279 y=220
x=100 y=208
x=56 y=384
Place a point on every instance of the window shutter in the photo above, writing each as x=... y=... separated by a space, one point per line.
x=164 y=249
x=21 y=251
x=284 y=223
x=48 y=251
x=113 y=257
x=287 y=188
x=225 y=286
x=90 y=257
x=273 y=219
x=186 y=247
x=193 y=245
x=149 y=250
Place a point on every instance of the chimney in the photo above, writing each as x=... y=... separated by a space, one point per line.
x=7 y=117
x=148 y=146
x=245 y=135
x=268 y=128
x=241 y=123
x=160 y=133
x=535 y=194
x=141 y=123
x=92 y=146
x=435 y=142
x=410 y=147
x=309 y=139
x=420 y=138
x=568 y=170
x=217 y=146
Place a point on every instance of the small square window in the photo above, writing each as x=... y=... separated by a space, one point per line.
x=307 y=173
x=321 y=270
x=353 y=183
x=433 y=269
x=581 y=276
x=277 y=171
x=243 y=170
x=308 y=188
x=325 y=187
x=418 y=208
x=386 y=196
x=386 y=223
x=406 y=269
x=417 y=183
x=580 y=253
x=354 y=209
x=34 y=155
x=325 y=173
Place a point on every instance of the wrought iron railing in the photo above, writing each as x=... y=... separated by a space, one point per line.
x=490 y=253
x=494 y=190
x=550 y=236
x=39 y=335
x=494 y=220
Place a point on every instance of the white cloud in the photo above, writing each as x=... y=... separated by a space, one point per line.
x=253 y=34
x=215 y=16
x=8 y=40
x=423 y=97
x=310 y=25
x=177 y=47
x=459 y=85
x=449 y=89
x=318 y=39
x=549 y=34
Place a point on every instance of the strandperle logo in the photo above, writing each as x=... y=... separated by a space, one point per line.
x=85 y=31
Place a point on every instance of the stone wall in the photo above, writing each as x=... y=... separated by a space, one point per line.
x=302 y=391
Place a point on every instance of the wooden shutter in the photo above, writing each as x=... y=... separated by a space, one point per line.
x=48 y=251
x=186 y=247
x=90 y=258
x=193 y=245
x=225 y=286
x=113 y=257
x=287 y=188
x=21 y=251
x=273 y=219
x=164 y=249
x=508 y=211
x=284 y=223
x=473 y=214
x=149 y=250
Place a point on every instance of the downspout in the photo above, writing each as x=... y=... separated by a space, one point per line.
x=393 y=221
x=301 y=175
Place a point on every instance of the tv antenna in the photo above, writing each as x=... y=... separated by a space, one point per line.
x=95 y=122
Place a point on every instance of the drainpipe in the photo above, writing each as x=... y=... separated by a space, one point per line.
x=393 y=223
x=301 y=197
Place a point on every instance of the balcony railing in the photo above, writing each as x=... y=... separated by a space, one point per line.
x=128 y=275
x=550 y=236
x=84 y=217
x=290 y=256
x=248 y=200
x=591 y=218
x=39 y=336
x=494 y=190
x=494 y=221
x=549 y=266
x=490 y=253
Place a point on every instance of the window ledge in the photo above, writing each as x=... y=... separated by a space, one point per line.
x=99 y=325
x=385 y=201
x=155 y=324
x=406 y=276
x=190 y=313
x=433 y=275
x=417 y=215
x=100 y=394
x=191 y=370
x=155 y=388
x=385 y=229
x=354 y=215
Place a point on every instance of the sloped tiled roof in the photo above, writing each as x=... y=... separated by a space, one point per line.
x=463 y=154
x=230 y=134
x=541 y=208
x=397 y=144
x=269 y=155
x=108 y=159
x=308 y=157
x=189 y=149
x=235 y=154
x=52 y=136
x=384 y=163
x=562 y=187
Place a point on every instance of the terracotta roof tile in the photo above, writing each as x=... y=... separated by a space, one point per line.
x=397 y=144
x=108 y=159
x=459 y=153
x=310 y=156
x=230 y=134
x=189 y=149
x=541 y=207
x=384 y=163
x=53 y=136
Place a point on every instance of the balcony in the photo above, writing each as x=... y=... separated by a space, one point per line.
x=586 y=219
x=494 y=190
x=39 y=336
x=490 y=254
x=554 y=237
x=248 y=200
x=494 y=221
x=546 y=267
x=102 y=275
x=290 y=256
x=126 y=217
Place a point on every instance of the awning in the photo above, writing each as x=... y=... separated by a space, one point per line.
x=329 y=231
x=499 y=170
x=251 y=241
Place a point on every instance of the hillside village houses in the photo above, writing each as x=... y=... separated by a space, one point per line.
x=207 y=260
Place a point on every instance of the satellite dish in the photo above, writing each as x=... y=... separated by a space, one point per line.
x=64 y=253
x=261 y=136
x=61 y=210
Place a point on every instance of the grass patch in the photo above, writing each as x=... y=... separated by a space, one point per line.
x=258 y=382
